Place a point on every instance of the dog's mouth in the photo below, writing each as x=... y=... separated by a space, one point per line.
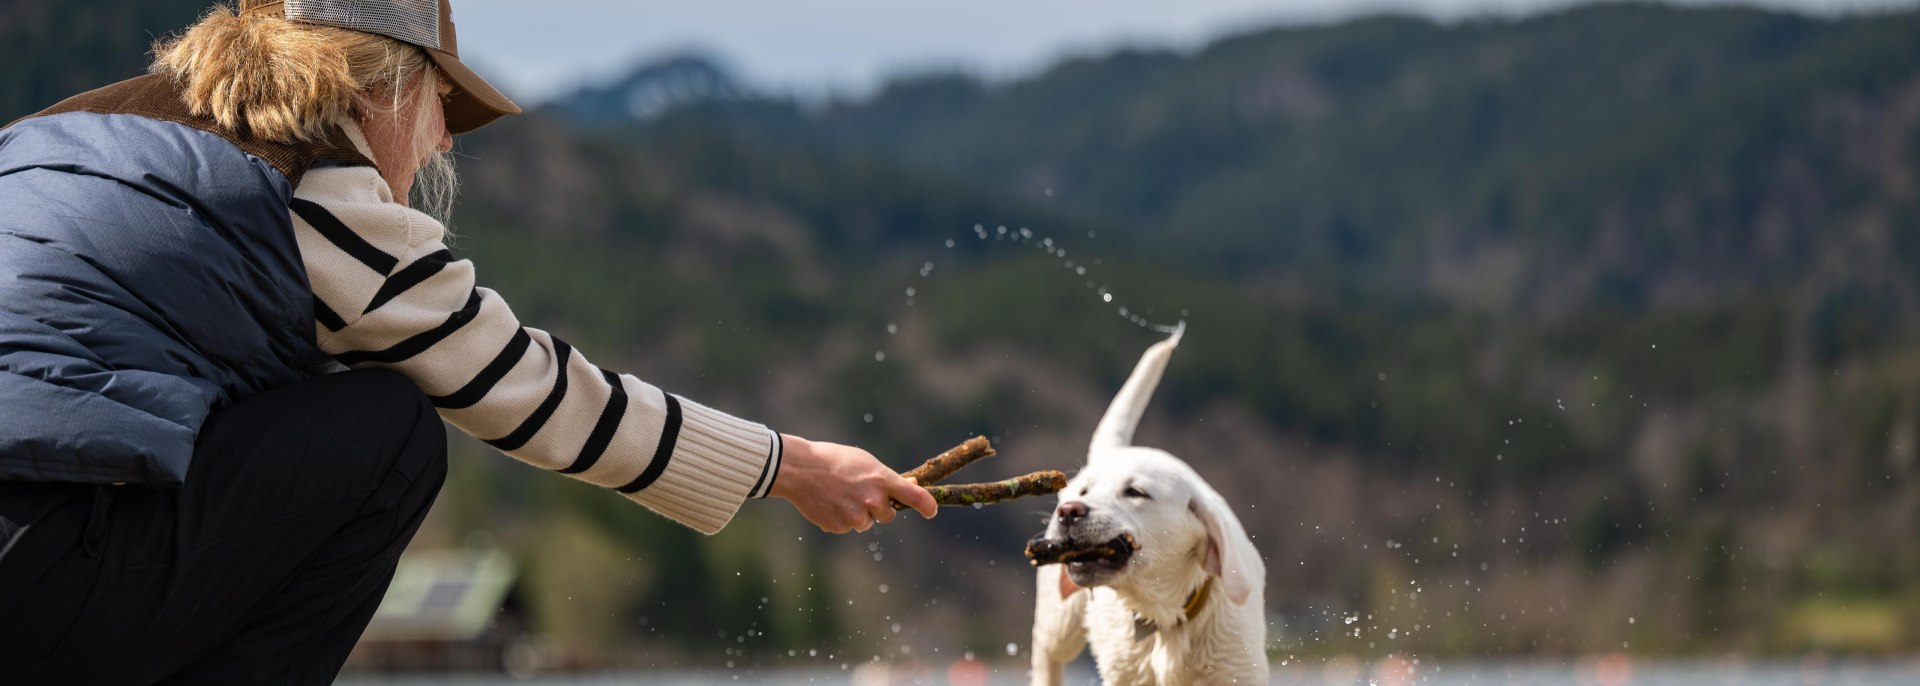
x=1081 y=556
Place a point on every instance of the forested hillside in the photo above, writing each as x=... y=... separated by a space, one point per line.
x=1536 y=335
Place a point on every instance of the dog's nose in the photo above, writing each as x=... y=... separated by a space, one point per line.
x=1071 y=511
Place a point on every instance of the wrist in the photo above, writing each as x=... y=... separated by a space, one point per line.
x=793 y=450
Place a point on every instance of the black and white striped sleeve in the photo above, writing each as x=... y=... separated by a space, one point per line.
x=388 y=294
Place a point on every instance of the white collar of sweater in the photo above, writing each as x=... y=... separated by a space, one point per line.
x=359 y=139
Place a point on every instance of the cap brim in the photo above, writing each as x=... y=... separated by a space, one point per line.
x=474 y=102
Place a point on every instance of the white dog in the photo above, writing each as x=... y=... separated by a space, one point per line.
x=1146 y=562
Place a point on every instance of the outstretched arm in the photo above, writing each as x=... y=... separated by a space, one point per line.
x=389 y=294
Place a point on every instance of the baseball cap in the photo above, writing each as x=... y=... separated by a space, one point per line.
x=426 y=23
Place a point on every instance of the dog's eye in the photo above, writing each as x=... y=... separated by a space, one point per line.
x=1132 y=492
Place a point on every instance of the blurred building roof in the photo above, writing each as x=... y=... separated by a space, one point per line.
x=447 y=595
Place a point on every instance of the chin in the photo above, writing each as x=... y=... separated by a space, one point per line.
x=1091 y=573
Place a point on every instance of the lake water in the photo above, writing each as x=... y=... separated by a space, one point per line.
x=1601 y=672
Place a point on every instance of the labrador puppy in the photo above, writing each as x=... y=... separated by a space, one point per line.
x=1146 y=562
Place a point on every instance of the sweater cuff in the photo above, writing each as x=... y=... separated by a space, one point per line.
x=718 y=461
x=772 y=471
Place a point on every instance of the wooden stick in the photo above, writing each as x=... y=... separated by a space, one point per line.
x=1037 y=483
x=1044 y=552
x=945 y=464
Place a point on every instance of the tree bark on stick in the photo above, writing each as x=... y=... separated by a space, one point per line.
x=1037 y=483
x=945 y=464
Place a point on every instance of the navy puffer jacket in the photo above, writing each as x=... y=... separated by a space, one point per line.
x=148 y=276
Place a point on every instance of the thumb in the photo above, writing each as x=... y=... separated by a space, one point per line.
x=908 y=491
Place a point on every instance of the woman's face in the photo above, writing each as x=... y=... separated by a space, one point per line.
x=392 y=134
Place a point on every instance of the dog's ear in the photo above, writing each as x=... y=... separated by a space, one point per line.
x=1067 y=587
x=1229 y=555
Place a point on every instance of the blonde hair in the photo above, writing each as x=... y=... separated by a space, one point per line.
x=284 y=81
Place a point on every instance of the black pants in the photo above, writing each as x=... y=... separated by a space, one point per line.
x=263 y=568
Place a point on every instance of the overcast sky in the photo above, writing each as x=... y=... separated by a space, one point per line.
x=535 y=50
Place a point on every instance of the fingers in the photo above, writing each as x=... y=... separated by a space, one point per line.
x=909 y=491
x=881 y=515
x=845 y=523
x=867 y=514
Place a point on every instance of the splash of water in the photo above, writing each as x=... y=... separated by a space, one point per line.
x=1058 y=250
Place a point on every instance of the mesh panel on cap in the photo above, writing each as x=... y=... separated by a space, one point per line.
x=413 y=21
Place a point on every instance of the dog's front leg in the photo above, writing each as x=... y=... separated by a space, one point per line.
x=1059 y=624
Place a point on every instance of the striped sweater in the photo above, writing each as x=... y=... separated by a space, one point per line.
x=388 y=294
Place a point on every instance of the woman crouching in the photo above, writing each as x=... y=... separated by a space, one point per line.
x=230 y=330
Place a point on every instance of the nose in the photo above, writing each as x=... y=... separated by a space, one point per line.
x=1070 y=512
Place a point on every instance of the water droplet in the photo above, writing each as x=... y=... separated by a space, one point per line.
x=909 y=291
x=949 y=242
x=1013 y=649
x=868 y=418
x=879 y=355
x=892 y=329
x=1106 y=297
